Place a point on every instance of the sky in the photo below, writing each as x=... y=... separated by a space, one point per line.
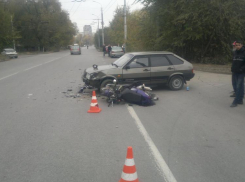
x=81 y=11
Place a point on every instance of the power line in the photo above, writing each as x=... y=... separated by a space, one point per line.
x=110 y=6
x=72 y=6
x=76 y=9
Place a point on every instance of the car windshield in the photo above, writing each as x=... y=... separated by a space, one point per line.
x=123 y=60
x=9 y=50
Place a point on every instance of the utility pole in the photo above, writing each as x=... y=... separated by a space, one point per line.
x=98 y=29
x=125 y=25
x=102 y=22
x=12 y=32
x=103 y=41
x=99 y=33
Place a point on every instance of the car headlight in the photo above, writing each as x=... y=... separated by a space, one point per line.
x=93 y=75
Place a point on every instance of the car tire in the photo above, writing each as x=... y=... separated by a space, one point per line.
x=176 y=82
x=104 y=83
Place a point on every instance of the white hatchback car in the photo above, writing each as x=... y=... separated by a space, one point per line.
x=10 y=52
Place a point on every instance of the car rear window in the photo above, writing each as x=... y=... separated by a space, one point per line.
x=159 y=61
x=117 y=49
x=75 y=47
x=174 y=60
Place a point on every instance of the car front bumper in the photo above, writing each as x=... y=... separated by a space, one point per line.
x=12 y=55
x=90 y=81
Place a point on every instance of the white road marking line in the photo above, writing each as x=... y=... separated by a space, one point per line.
x=30 y=68
x=9 y=75
x=162 y=165
x=33 y=67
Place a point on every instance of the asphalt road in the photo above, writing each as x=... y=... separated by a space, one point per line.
x=188 y=136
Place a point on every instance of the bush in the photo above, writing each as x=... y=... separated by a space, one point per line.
x=4 y=58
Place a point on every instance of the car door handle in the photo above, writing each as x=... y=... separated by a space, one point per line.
x=146 y=70
x=169 y=68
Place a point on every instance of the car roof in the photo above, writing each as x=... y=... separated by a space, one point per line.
x=150 y=53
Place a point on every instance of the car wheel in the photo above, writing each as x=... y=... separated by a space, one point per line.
x=104 y=83
x=176 y=83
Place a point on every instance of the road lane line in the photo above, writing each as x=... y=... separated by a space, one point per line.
x=33 y=67
x=30 y=68
x=9 y=75
x=162 y=165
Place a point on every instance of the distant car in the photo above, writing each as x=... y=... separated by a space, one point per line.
x=10 y=52
x=150 y=68
x=75 y=49
x=116 y=51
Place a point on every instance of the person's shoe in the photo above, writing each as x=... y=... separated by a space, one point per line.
x=241 y=102
x=233 y=95
x=233 y=105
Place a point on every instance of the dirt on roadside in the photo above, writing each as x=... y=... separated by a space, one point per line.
x=212 y=68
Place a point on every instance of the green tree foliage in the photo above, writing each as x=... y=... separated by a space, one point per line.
x=6 y=34
x=39 y=24
x=200 y=31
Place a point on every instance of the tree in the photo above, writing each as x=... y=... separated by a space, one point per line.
x=38 y=24
x=197 y=30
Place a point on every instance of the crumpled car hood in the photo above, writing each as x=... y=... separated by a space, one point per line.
x=100 y=68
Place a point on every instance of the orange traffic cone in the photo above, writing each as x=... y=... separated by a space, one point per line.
x=129 y=170
x=94 y=107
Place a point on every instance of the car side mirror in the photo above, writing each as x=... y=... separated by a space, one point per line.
x=127 y=67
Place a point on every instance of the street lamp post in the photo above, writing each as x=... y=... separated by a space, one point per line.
x=102 y=23
x=125 y=25
x=98 y=30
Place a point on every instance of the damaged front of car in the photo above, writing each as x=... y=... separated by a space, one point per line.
x=96 y=75
x=99 y=76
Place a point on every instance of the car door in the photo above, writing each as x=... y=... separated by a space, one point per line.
x=138 y=69
x=178 y=63
x=161 y=69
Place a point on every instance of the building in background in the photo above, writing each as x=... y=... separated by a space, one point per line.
x=87 y=30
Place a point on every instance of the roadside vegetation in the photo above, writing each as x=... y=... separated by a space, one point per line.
x=35 y=25
x=200 y=31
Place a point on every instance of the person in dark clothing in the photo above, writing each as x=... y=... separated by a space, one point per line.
x=104 y=50
x=232 y=77
x=109 y=50
x=238 y=72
